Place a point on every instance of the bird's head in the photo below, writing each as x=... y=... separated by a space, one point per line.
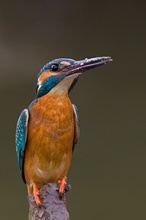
x=60 y=75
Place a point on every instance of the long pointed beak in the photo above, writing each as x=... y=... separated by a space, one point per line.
x=86 y=64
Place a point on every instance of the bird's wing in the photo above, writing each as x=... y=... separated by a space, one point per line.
x=21 y=137
x=77 y=125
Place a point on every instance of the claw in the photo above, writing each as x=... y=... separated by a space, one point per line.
x=36 y=194
x=62 y=184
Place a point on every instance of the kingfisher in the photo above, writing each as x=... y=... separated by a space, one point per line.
x=48 y=130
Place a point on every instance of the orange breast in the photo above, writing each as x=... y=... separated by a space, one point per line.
x=50 y=140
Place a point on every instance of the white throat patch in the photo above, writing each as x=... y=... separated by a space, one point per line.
x=64 y=85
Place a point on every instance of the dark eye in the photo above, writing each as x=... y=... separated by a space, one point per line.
x=54 y=67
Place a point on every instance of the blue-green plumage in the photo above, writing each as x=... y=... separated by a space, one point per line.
x=48 y=84
x=21 y=137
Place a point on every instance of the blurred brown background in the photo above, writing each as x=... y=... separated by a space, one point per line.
x=108 y=173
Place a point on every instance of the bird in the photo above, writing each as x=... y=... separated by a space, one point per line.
x=48 y=129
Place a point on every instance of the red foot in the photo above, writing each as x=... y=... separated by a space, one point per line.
x=62 y=184
x=36 y=194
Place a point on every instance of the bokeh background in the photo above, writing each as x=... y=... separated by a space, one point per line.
x=108 y=173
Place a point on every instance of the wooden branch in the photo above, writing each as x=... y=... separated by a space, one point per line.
x=53 y=207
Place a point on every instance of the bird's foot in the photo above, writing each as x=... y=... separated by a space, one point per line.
x=62 y=184
x=36 y=194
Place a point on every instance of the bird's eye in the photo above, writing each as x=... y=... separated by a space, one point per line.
x=54 y=67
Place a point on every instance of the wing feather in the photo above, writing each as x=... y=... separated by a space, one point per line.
x=77 y=125
x=21 y=137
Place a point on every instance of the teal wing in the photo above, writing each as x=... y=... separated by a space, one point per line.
x=21 y=137
x=77 y=125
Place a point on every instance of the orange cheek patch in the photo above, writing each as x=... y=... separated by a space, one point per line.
x=44 y=76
